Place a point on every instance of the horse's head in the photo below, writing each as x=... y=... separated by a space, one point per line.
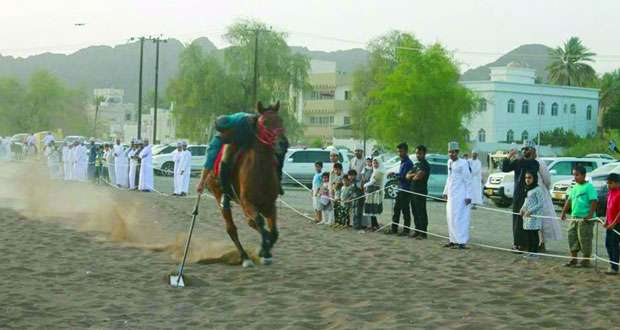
x=270 y=125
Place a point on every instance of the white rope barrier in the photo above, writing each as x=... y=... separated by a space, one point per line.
x=487 y=246
x=336 y=199
x=473 y=243
x=478 y=206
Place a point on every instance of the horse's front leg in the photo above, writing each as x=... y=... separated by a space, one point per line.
x=273 y=229
x=231 y=229
x=257 y=221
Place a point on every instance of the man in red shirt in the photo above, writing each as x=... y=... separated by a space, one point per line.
x=612 y=238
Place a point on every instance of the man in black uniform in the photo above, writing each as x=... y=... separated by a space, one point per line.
x=419 y=185
x=520 y=165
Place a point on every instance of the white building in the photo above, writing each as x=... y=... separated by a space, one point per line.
x=113 y=113
x=166 y=128
x=514 y=108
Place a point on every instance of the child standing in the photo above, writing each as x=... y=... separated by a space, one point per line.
x=335 y=185
x=343 y=217
x=581 y=200
x=357 y=203
x=327 y=207
x=612 y=237
x=316 y=185
x=530 y=211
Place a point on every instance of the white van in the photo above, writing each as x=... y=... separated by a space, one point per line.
x=299 y=163
x=164 y=165
x=500 y=186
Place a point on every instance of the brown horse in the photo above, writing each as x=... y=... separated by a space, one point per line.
x=256 y=184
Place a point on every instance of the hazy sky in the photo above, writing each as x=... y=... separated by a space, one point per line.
x=489 y=26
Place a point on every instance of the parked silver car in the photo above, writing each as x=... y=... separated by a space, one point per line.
x=299 y=163
x=436 y=181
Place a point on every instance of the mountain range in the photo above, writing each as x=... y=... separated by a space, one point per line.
x=534 y=56
x=118 y=66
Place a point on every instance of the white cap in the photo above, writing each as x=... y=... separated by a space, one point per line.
x=453 y=145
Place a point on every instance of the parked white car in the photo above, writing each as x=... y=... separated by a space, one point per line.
x=299 y=163
x=606 y=156
x=500 y=186
x=164 y=165
x=598 y=177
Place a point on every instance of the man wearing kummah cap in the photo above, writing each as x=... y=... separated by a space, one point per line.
x=520 y=164
x=458 y=193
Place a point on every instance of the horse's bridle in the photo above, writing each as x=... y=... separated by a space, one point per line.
x=267 y=136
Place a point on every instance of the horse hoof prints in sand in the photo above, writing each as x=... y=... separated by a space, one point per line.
x=255 y=182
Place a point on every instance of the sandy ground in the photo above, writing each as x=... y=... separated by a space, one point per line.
x=83 y=256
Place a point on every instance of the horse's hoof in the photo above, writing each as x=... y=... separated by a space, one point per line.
x=266 y=261
x=247 y=263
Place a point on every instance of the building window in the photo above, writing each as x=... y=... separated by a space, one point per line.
x=510 y=136
x=511 y=106
x=347 y=121
x=327 y=95
x=482 y=106
x=525 y=136
x=482 y=136
x=322 y=120
x=347 y=95
x=573 y=109
x=589 y=112
x=541 y=108
x=525 y=107
x=554 y=109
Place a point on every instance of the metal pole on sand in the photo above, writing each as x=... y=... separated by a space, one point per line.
x=178 y=281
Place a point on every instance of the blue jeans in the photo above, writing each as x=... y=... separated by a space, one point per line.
x=612 y=243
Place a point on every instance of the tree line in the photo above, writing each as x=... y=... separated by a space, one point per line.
x=208 y=86
x=42 y=103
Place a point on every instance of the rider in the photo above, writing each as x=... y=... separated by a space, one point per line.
x=235 y=128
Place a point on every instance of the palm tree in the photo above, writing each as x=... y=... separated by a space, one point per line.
x=570 y=65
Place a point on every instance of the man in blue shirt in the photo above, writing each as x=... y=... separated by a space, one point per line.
x=237 y=129
x=403 y=198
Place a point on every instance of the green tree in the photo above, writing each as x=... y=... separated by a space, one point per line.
x=45 y=103
x=570 y=64
x=412 y=93
x=12 y=106
x=201 y=91
x=609 y=104
x=595 y=144
x=383 y=60
x=279 y=70
x=558 y=138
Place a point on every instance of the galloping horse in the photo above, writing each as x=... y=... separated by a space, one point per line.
x=256 y=183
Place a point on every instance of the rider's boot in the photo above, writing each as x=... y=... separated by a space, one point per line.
x=226 y=185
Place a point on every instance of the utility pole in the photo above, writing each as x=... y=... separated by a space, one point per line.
x=98 y=100
x=140 y=89
x=255 y=86
x=156 y=41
